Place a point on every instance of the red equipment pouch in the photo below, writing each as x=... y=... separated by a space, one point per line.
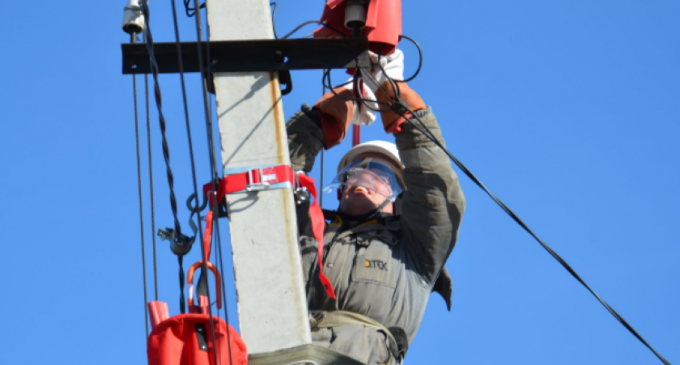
x=185 y=339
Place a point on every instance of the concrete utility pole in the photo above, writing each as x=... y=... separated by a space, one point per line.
x=272 y=305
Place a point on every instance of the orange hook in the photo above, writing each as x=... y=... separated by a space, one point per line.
x=218 y=281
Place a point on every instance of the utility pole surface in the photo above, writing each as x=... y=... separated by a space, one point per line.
x=272 y=305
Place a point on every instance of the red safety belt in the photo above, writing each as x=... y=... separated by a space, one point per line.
x=258 y=179
x=255 y=179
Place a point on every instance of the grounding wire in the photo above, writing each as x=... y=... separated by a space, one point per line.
x=153 y=213
x=206 y=109
x=139 y=189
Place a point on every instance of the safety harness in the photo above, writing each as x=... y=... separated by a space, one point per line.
x=260 y=178
x=396 y=336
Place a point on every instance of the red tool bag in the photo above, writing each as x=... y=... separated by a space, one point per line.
x=185 y=339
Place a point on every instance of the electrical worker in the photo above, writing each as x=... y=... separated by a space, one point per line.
x=397 y=221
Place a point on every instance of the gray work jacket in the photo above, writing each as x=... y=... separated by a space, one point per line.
x=386 y=268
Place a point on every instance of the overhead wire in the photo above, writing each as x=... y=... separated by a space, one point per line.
x=420 y=126
x=189 y=10
x=299 y=27
x=204 y=271
x=133 y=37
x=213 y=165
x=153 y=212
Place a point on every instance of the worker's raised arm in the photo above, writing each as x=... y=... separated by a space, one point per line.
x=323 y=125
x=433 y=202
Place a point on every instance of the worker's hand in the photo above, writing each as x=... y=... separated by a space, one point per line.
x=383 y=68
x=364 y=105
x=336 y=110
x=377 y=79
x=372 y=77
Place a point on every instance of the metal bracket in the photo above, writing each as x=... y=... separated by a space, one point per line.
x=251 y=55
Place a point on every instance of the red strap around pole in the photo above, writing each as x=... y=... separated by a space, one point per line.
x=239 y=182
x=273 y=175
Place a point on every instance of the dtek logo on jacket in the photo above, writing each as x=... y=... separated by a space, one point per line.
x=373 y=264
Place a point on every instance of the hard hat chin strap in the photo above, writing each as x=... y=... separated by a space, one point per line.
x=375 y=213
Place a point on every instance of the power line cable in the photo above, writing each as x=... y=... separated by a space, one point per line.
x=153 y=212
x=403 y=108
x=299 y=27
x=139 y=190
x=206 y=109
x=189 y=10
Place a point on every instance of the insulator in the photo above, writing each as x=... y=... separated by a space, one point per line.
x=133 y=19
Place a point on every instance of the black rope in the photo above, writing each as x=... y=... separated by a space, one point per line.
x=153 y=212
x=166 y=150
x=139 y=190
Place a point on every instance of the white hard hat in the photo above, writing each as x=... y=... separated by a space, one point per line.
x=382 y=150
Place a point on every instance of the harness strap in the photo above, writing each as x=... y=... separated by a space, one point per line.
x=318 y=228
x=255 y=179
x=338 y=318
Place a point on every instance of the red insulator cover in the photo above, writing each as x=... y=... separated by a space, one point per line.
x=185 y=339
x=383 y=24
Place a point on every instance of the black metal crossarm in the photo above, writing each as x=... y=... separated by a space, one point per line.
x=251 y=55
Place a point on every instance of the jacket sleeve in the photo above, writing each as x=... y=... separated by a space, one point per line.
x=433 y=202
x=305 y=138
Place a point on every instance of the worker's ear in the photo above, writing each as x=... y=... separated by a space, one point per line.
x=339 y=193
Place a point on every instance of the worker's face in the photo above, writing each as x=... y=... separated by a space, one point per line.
x=363 y=192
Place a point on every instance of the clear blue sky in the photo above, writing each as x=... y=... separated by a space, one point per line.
x=568 y=111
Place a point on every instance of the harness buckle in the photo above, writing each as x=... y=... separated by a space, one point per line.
x=257 y=182
x=315 y=318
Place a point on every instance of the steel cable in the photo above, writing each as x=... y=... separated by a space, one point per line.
x=153 y=212
x=213 y=164
x=139 y=190
x=204 y=270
